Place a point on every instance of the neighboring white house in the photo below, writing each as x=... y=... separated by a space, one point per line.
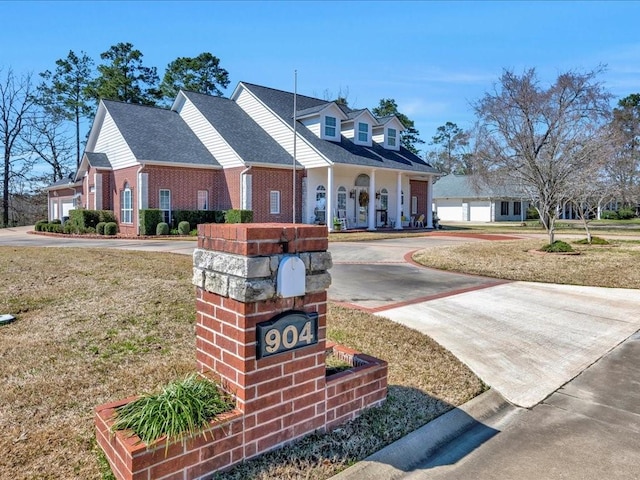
x=458 y=198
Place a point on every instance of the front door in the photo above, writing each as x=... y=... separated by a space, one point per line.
x=362 y=211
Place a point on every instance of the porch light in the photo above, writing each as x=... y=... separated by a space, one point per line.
x=352 y=193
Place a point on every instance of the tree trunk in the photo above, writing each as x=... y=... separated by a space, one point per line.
x=5 y=191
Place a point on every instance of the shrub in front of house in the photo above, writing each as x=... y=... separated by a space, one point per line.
x=110 y=228
x=81 y=219
x=608 y=215
x=162 y=228
x=239 y=216
x=532 y=214
x=196 y=217
x=626 y=213
x=100 y=228
x=184 y=228
x=39 y=224
x=149 y=220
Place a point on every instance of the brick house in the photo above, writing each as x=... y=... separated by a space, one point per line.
x=214 y=153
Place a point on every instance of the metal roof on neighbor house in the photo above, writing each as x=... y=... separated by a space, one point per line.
x=344 y=152
x=466 y=186
x=158 y=135
x=239 y=130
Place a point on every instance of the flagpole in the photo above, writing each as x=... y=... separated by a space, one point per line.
x=295 y=121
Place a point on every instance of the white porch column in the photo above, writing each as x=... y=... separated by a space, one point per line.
x=430 y=202
x=372 y=201
x=329 y=213
x=399 y=202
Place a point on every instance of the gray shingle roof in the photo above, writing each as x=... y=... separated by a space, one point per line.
x=466 y=186
x=62 y=183
x=158 y=135
x=239 y=130
x=346 y=152
x=98 y=160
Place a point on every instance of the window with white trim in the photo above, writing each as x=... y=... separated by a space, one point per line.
x=203 y=199
x=363 y=132
x=384 y=199
x=126 y=205
x=330 y=124
x=392 y=136
x=320 y=210
x=517 y=208
x=165 y=205
x=342 y=198
x=274 y=202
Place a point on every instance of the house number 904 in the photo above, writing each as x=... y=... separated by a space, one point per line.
x=286 y=332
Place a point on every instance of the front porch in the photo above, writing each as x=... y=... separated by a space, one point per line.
x=354 y=198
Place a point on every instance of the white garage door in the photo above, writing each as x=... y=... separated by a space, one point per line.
x=480 y=211
x=450 y=210
x=66 y=207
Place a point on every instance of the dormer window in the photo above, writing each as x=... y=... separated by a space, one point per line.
x=392 y=137
x=363 y=132
x=330 y=124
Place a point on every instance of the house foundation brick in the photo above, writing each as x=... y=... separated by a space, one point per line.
x=280 y=397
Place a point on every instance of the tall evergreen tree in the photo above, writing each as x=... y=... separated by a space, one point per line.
x=123 y=77
x=202 y=74
x=451 y=141
x=63 y=92
x=410 y=137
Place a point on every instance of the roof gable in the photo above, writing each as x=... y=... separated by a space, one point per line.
x=142 y=126
x=343 y=152
x=236 y=128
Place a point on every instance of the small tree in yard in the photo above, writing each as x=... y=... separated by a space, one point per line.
x=538 y=138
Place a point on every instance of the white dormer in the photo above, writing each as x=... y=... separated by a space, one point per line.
x=387 y=133
x=325 y=121
x=360 y=127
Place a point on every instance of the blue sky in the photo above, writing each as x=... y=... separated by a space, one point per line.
x=433 y=58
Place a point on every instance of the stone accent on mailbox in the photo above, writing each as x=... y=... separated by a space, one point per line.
x=267 y=350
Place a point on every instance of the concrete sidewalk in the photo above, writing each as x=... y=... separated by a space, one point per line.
x=589 y=430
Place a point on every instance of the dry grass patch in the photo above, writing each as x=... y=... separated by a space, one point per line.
x=95 y=326
x=615 y=265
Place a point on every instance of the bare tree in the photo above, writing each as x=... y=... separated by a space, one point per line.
x=48 y=139
x=589 y=187
x=16 y=102
x=624 y=167
x=538 y=138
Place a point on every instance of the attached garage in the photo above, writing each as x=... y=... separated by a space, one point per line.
x=458 y=198
x=449 y=209
x=480 y=211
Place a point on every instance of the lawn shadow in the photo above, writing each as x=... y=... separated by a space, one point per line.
x=405 y=414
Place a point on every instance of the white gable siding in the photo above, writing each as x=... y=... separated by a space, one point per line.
x=312 y=124
x=278 y=130
x=209 y=136
x=378 y=135
x=111 y=142
x=347 y=129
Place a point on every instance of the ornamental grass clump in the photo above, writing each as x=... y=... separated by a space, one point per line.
x=181 y=410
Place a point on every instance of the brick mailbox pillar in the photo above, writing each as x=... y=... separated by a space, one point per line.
x=236 y=271
x=261 y=295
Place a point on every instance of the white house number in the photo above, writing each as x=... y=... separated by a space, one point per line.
x=287 y=332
